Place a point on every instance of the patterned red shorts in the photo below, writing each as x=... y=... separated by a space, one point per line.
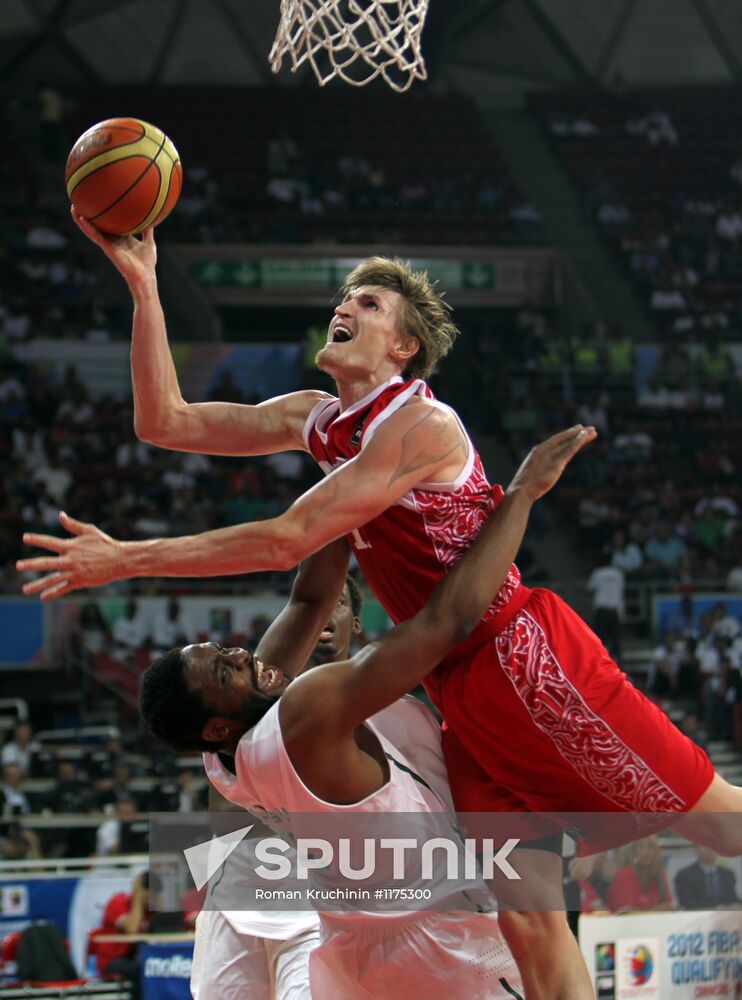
x=540 y=719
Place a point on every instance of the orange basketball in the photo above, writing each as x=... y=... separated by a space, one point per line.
x=123 y=175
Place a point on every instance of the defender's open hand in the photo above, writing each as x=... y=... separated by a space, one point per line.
x=545 y=463
x=88 y=559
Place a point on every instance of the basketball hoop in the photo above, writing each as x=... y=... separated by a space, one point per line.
x=355 y=40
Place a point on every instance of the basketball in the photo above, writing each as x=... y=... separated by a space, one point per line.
x=123 y=175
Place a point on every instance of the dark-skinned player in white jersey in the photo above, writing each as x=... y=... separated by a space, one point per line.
x=284 y=743
x=406 y=487
x=264 y=954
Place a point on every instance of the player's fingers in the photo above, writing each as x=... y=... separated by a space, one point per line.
x=571 y=444
x=567 y=454
x=62 y=588
x=148 y=236
x=87 y=227
x=50 y=542
x=561 y=452
x=568 y=434
x=42 y=564
x=571 y=434
x=80 y=221
x=37 y=586
x=586 y=435
x=105 y=241
x=72 y=525
x=557 y=444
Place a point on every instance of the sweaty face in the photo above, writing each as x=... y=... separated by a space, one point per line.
x=334 y=641
x=231 y=682
x=363 y=334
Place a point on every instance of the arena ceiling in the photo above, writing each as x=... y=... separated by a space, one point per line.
x=492 y=46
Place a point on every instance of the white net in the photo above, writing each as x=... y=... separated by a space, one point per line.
x=355 y=40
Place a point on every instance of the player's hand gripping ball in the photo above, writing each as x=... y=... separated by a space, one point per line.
x=124 y=176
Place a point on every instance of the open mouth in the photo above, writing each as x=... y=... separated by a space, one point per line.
x=268 y=679
x=326 y=635
x=341 y=334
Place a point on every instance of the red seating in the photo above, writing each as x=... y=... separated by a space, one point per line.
x=9 y=948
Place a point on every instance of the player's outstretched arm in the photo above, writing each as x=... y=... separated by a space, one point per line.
x=293 y=634
x=420 y=443
x=161 y=415
x=383 y=671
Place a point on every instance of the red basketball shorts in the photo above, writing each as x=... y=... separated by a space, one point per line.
x=540 y=719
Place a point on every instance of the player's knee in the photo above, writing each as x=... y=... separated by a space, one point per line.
x=532 y=933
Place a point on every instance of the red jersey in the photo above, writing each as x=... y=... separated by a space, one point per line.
x=405 y=550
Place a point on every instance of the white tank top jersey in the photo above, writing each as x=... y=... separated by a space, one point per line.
x=267 y=785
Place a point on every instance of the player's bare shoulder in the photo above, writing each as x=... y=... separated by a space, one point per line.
x=295 y=409
x=426 y=436
x=298 y=405
x=312 y=705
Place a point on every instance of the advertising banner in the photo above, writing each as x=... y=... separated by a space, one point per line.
x=664 y=956
x=166 y=971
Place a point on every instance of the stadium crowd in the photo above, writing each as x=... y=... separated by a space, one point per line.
x=61 y=448
x=105 y=782
x=634 y=879
x=660 y=174
x=290 y=178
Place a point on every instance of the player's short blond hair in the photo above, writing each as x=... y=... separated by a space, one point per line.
x=425 y=314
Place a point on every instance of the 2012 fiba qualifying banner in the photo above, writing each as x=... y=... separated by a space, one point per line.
x=658 y=956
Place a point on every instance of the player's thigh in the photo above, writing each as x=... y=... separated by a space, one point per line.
x=289 y=965
x=716 y=819
x=228 y=965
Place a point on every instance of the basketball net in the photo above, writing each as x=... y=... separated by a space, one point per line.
x=355 y=40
